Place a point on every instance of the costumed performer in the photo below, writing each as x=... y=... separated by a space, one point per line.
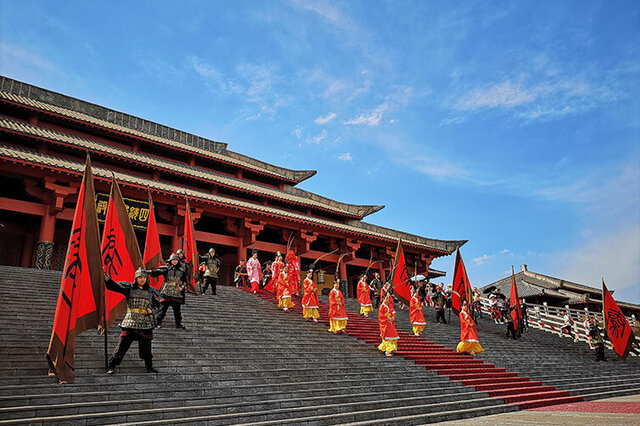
x=387 y=322
x=310 y=299
x=468 y=335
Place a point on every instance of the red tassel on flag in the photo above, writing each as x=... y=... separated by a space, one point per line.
x=120 y=251
x=461 y=290
x=190 y=249
x=81 y=298
x=400 y=276
x=616 y=324
x=152 y=257
x=514 y=303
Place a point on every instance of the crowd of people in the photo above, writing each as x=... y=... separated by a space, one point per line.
x=148 y=307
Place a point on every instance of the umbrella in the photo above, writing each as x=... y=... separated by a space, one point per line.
x=489 y=289
x=418 y=278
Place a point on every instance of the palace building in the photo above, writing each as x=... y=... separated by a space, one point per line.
x=238 y=203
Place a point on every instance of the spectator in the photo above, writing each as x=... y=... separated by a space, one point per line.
x=567 y=326
x=476 y=302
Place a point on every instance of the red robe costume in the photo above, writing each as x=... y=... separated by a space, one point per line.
x=284 y=293
x=276 y=267
x=388 y=332
x=468 y=335
x=416 y=316
x=293 y=272
x=310 y=301
x=364 y=298
x=337 y=313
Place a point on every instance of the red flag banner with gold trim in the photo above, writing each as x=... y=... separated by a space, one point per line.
x=81 y=298
x=461 y=290
x=514 y=303
x=152 y=257
x=400 y=276
x=190 y=249
x=120 y=252
x=616 y=324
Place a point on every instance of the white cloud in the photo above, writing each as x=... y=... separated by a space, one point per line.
x=504 y=94
x=486 y=257
x=397 y=99
x=612 y=255
x=325 y=120
x=371 y=119
x=256 y=85
x=318 y=138
x=529 y=98
x=345 y=157
x=297 y=132
x=482 y=259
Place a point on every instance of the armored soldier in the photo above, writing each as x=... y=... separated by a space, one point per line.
x=376 y=286
x=138 y=323
x=212 y=266
x=441 y=302
x=172 y=291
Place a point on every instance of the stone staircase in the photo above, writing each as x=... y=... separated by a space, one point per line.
x=243 y=361
x=552 y=362
x=240 y=361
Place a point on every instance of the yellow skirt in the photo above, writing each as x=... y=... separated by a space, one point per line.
x=310 y=313
x=470 y=348
x=365 y=309
x=286 y=302
x=337 y=325
x=388 y=346
x=417 y=329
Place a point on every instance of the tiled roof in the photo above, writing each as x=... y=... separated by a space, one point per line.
x=66 y=106
x=47 y=161
x=290 y=194
x=526 y=288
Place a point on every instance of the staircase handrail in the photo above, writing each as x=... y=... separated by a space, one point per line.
x=551 y=319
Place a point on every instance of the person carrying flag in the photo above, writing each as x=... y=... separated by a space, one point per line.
x=468 y=335
x=337 y=312
x=387 y=323
x=416 y=316
x=172 y=290
x=138 y=322
x=310 y=299
x=364 y=296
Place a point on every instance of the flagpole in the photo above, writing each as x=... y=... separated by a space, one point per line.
x=104 y=318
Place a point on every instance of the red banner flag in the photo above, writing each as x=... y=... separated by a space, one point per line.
x=152 y=257
x=190 y=249
x=616 y=324
x=514 y=304
x=400 y=276
x=120 y=252
x=81 y=298
x=461 y=286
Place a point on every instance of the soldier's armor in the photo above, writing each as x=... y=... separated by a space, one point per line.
x=137 y=316
x=172 y=285
x=213 y=265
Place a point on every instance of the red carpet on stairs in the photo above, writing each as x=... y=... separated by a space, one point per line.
x=484 y=377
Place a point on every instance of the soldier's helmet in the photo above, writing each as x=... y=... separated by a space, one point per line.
x=180 y=251
x=141 y=272
x=212 y=250
x=174 y=256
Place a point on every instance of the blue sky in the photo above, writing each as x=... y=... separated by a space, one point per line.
x=515 y=125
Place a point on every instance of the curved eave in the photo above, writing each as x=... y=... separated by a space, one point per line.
x=302 y=175
x=299 y=176
x=173 y=172
x=172 y=190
